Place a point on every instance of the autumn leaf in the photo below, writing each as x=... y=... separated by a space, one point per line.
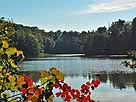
x=50 y=99
x=20 y=81
x=1 y=68
x=12 y=82
x=31 y=90
x=38 y=92
x=28 y=81
x=19 y=52
x=1 y=50
x=11 y=50
x=44 y=74
x=53 y=70
x=5 y=94
x=34 y=99
x=5 y=44
x=12 y=63
x=59 y=75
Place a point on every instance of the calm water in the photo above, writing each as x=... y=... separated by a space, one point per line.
x=118 y=84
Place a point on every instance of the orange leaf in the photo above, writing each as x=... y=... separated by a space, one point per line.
x=38 y=92
x=20 y=81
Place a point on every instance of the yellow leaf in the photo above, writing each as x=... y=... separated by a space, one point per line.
x=1 y=50
x=19 y=52
x=53 y=79
x=13 y=64
x=5 y=44
x=0 y=85
x=5 y=93
x=1 y=68
x=50 y=77
x=13 y=99
x=53 y=70
x=44 y=74
x=10 y=51
x=11 y=78
x=43 y=80
x=60 y=76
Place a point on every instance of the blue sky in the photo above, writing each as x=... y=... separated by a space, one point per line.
x=67 y=14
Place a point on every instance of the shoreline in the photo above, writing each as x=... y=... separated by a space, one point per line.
x=80 y=55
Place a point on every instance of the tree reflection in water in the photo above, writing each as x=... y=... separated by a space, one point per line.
x=118 y=80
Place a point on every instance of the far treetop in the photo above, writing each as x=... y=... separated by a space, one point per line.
x=118 y=38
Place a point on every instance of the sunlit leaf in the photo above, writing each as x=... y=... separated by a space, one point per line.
x=1 y=68
x=5 y=44
x=11 y=50
x=0 y=85
x=13 y=64
x=43 y=80
x=59 y=75
x=12 y=82
x=44 y=74
x=53 y=70
x=28 y=81
x=13 y=99
x=5 y=94
x=1 y=50
x=19 y=52
x=20 y=81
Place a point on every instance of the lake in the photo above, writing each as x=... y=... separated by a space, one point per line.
x=118 y=83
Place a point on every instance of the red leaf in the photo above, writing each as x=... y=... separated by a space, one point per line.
x=96 y=83
x=88 y=83
x=88 y=98
x=84 y=99
x=28 y=81
x=58 y=94
x=38 y=92
x=56 y=85
x=68 y=97
x=24 y=91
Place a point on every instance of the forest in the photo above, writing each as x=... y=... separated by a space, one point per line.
x=118 y=38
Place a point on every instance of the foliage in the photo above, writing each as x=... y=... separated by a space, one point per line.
x=28 y=40
x=22 y=87
x=132 y=62
x=118 y=38
x=83 y=95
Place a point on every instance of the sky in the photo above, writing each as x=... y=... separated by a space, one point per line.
x=79 y=15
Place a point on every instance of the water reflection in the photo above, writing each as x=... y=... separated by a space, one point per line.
x=121 y=80
x=118 y=80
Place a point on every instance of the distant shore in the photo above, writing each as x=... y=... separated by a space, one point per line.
x=80 y=55
x=108 y=56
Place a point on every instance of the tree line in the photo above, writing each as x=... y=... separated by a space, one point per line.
x=118 y=38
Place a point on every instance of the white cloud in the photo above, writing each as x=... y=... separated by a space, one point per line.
x=109 y=6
